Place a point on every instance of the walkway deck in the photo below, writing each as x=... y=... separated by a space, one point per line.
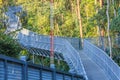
x=93 y=71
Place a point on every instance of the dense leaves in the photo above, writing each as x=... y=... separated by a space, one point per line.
x=36 y=17
x=115 y=24
x=8 y=46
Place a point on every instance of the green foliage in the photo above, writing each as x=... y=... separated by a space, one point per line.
x=61 y=65
x=116 y=55
x=101 y=18
x=36 y=17
x=8 y=46
x=23 y=52
x=88 y=20
x=45 y=61
x=115 y=23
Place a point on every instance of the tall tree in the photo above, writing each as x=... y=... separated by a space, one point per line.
x=98 y=28
x=114 y=8
x=108 y=27
x=101 y=3
x=80 y=20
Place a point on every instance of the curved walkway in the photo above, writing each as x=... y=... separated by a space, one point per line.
x=93 y=71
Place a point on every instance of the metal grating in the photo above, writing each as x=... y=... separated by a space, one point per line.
x=61 y=45
x=59 y=76
x=14 y=71
x=110 y=68
x=75 y=79
x=45 y=53
x=33 y=74
x=2 y=70
x=46 y=75
x=67 y=77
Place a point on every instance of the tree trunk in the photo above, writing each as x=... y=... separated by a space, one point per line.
x=101 y=30
x=108 y=28
x=101 y=3
x=80 y=21
x=114 y=8
x=115 y=14
x=95 y=2
x=102 y=34
x=98 y=28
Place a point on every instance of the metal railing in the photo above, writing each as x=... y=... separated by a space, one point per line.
x=111 y=69
x=61 y=45
x=12 y=21
x=13 y=69
x=30 y=39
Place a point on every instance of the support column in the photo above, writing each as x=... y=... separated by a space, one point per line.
x=52 y=65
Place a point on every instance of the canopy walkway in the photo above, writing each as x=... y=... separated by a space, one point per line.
x=91 y=62
x=62 y=48
x=92 y=69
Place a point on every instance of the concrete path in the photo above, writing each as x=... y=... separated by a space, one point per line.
x=93 y=71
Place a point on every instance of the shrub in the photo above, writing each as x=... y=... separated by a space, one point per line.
x=8 y=46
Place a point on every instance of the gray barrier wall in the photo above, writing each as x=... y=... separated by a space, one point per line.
x=101 y=58
x=12 y=69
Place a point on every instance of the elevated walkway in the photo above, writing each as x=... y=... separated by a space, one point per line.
x=93 y=71
x=91 y=60
x=62 y=47
x=106 y=65
x=12 y=69
x=36 y=44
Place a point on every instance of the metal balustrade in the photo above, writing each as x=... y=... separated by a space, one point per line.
x=2 y=76
x=30 y=40
x=12 y=21
x=13 y=69
x=111 y=69
x=61 y=45
x=36 y=44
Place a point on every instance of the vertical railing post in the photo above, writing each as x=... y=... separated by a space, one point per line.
x=63 y=76
x=72 y=77
x=53 y=75
x=52 y=65
x=5 y=68
x=40 y=73
x=24 y=72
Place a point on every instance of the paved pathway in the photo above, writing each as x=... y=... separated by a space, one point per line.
x=93 y=71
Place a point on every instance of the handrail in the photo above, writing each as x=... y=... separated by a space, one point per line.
x=30 y=39
x=25 y=71
x=62 y=45
x=103 y=60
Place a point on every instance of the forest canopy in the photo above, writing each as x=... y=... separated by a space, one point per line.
x=72 y=18
x=92 y=13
